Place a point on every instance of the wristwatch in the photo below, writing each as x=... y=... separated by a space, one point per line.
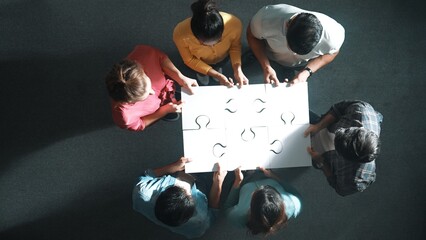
x=309 y=70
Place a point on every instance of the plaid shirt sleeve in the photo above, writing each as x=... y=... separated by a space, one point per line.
x=350 y=177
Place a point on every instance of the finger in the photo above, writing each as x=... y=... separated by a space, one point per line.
x=307 y=131
x=189 y=88
x=276 y=82
x=310 y=150
x=267 y=80
x=218 y=167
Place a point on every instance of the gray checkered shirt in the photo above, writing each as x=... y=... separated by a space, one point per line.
x=348 y=176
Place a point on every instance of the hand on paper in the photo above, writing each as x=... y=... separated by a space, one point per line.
x=270 y=76
x=301 y=76
x=219 y=175
x=241 y=79
x=312 y=129
x=172 y=107
x=238 y=177
x=223 y=80
x=189 y=84
x=179 y=165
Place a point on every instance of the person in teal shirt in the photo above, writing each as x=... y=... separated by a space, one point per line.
x=260 y=203
x=174 y=201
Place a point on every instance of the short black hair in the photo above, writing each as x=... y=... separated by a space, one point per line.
x=174 y=206
x=206 y=22
x=357 y=144
x=303 y=33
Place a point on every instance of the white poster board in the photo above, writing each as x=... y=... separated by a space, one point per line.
x=256 y=126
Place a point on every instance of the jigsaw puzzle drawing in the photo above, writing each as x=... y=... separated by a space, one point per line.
x=255 y=126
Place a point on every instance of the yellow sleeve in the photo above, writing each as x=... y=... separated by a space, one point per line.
x=235 y=25
x=182 y=37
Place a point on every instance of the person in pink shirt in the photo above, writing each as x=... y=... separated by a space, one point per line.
x=141 y=91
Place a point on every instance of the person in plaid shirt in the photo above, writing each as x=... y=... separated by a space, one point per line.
x=345 y=145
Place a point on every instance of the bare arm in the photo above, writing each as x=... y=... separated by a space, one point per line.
x=170 y=69
x=314 y=64
x=325 y=122
x=319 y=160
x=177 y=166
x=216 y=190
x=161 y=112
x=258 y=48
x=222 y=78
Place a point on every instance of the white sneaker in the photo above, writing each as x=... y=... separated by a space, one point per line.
x=203 y=79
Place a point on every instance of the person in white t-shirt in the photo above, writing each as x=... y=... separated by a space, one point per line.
x=295 y=38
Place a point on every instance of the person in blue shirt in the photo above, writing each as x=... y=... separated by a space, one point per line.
x=260 y=202
x=170 y=198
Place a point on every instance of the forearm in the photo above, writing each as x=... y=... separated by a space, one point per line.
x=319 y=62
x=213 y=73
x=233 y=197
x=170 y=69
x=258 y=48
x=161 y=171
x=326 y=121
x=214 y=196
x=153 y=117
x=237 y=68
x=189 y=59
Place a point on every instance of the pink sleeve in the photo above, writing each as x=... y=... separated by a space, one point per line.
x=127 y=119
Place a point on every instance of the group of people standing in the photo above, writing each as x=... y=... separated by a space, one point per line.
x=142 y=87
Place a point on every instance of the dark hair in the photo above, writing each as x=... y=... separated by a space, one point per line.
x=357 y=144
x=267 y=211
x=206 y=22
x=303 y=33
x=174 y=206
x=126 y=82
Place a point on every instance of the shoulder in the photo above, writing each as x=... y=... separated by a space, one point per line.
x=144 y=53
x=232 y=24
x=278 y=9
x=227 y=17
x=143 y=50
x=183 y=27
x=333 y=32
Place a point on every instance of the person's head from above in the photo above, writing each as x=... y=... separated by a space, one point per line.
x=128 y=83
x=357 y=144
x=304 y=31
x=206 y=22
x=174 y=206
x=267 y=211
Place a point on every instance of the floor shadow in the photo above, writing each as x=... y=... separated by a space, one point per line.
x=47 y=99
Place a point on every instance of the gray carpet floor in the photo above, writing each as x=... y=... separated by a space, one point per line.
x=66 y=172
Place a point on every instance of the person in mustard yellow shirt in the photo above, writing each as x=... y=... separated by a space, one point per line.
x=207 y=40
